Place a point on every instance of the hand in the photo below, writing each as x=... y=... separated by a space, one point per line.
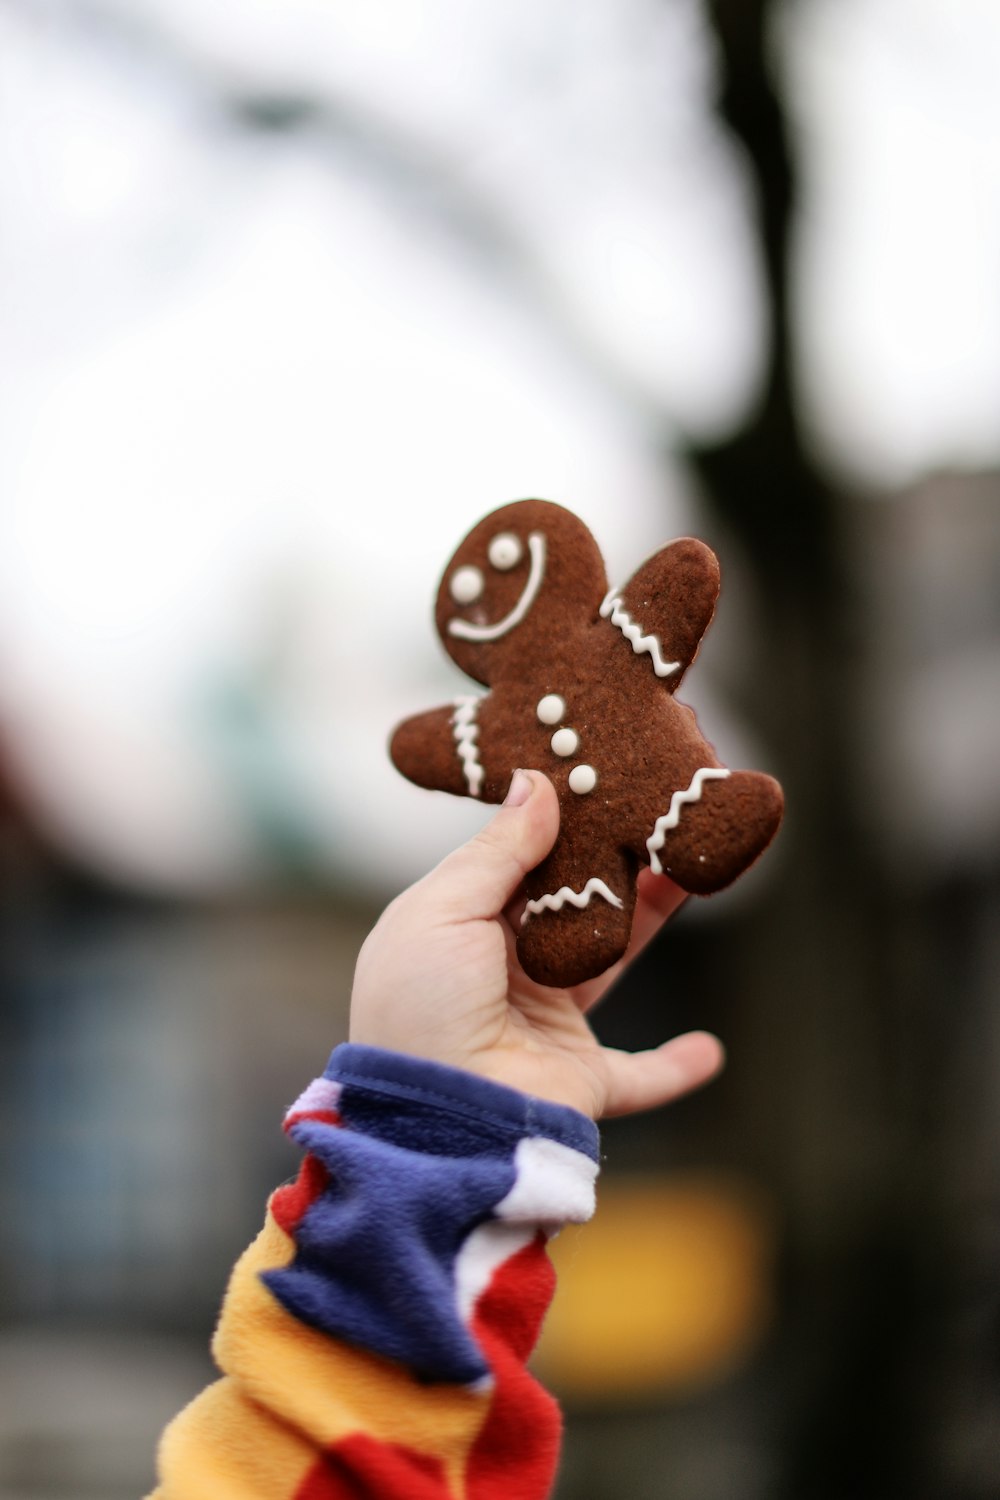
x=438 y=977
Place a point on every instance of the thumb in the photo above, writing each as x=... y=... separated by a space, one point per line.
x=479 y=878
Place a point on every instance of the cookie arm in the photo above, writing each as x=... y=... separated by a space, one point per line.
x=578 y=917
x=666 y=607
x=711 y=826
x=439 y=750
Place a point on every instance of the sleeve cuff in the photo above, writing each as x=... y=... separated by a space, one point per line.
x=483 y=1104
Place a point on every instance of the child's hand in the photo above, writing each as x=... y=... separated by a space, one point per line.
x=438 y=978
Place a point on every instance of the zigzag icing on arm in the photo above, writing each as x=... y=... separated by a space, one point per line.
x=594 y=887
x=466 y=732
x=612 y=606
x=670 y=819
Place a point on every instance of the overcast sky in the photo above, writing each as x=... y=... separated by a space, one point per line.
x=256 y=385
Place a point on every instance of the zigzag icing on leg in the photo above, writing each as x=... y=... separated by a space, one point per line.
x=594 y=887
x=466 y=732
x=612 y=606
x=670 y=819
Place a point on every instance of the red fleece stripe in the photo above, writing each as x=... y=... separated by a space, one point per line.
x=517 y=1298
x=516 y=1453
x=517 y=1450
x=320 y=1116
x=289 y=1203
x=361 y=1468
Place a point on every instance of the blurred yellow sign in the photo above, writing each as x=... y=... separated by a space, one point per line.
x=667 y=1289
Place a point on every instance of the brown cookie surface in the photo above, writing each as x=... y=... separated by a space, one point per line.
x=581 y=681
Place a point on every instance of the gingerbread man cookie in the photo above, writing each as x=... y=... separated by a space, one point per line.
x=582 y=682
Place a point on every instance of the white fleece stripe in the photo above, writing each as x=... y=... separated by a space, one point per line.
x=322 y=1093
x=487 y=1248
x=554 y=1186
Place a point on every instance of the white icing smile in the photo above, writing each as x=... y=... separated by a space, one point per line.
x=465 y=629
x=594 y=887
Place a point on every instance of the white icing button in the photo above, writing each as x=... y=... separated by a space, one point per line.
x=466 y=585
x=582 y=779
x=564 y=742
x=505 y=551
x=551 y=709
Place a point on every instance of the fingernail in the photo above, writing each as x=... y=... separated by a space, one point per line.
x=520 y=789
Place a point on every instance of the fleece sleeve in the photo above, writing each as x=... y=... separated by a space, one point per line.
x=373 y=1339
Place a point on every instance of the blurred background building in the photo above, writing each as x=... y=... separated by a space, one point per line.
x=291 y=295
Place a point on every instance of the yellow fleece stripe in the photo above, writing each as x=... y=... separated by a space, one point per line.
x=224 y=1447
x=330 y=1390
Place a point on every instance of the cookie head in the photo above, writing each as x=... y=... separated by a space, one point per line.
x=528 y=568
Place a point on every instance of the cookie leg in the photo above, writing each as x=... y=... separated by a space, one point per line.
x=578 y=917
x=440 y=749
x=715 y=828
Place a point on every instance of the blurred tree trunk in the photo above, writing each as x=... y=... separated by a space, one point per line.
x=811 y=966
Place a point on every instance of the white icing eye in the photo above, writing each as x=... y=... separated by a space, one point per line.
x=565 y=741
x=466 y=585
x=551 y=709
x=505 y=551
x=582 y=779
